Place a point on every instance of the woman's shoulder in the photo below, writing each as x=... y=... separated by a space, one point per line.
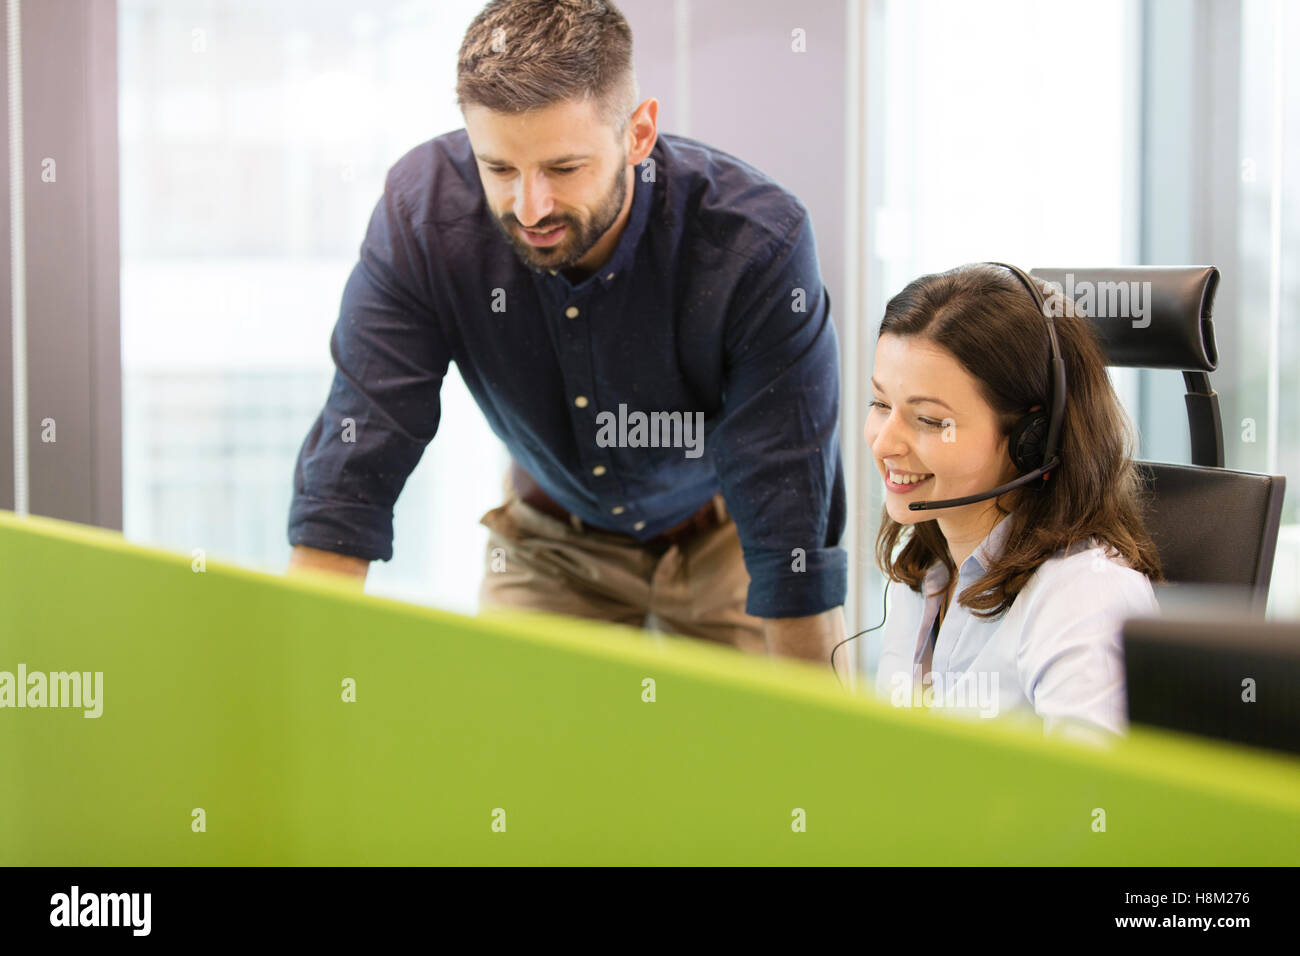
x=1069 y=650
x=1091 y=574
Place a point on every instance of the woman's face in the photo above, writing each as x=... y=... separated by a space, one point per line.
x=927 y=418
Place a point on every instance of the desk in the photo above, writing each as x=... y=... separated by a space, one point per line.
x=223 y=692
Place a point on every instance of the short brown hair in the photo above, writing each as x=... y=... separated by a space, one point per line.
x=987 y=320
x=521 y=55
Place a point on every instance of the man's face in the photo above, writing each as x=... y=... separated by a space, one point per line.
x=555 y=178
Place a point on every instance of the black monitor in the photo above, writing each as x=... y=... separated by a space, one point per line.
x=1231 y=676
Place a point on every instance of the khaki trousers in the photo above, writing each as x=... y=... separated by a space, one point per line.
x=696 y=589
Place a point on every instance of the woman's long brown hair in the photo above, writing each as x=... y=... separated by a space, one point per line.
x=985 y=318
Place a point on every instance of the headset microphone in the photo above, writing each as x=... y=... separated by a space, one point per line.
x=985 y=495
x=1033 y=439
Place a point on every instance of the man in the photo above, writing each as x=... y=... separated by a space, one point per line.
x=642 y=321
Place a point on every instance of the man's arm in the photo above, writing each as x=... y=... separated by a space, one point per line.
x=811 y=638
x=777 y=448
x=384 y=406
x=314 y=559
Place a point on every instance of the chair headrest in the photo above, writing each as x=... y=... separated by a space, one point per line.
x=1145 y=316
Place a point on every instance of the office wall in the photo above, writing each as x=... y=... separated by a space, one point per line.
x=69 y=188
x=725 y=73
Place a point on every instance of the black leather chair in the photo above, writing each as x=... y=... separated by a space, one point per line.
x=1211 y=525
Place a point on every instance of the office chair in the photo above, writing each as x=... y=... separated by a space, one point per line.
x=1210 y=524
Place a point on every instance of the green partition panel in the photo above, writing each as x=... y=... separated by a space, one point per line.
x=523 y=739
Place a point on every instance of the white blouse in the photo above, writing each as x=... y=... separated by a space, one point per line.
x=1055 y=653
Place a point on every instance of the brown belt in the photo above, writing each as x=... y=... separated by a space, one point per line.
x=531 y=493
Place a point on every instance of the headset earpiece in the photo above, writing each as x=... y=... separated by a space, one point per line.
x=1027 y=441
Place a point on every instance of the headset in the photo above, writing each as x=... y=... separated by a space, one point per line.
x=1033 y=439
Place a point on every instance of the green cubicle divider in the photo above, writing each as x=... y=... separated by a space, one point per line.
x=224 y=738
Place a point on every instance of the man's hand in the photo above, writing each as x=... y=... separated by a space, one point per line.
x=810 y=638
x=314 y=559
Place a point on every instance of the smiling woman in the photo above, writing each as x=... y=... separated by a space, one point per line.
x=1046 y=572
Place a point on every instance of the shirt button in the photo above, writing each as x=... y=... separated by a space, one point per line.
x=571 y=311
x=581 y=401
x=598 y=470
x=617 y=509
x=610 y=276
x=639 y=525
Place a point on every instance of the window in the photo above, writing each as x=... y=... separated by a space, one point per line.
x=1260 y=385
x=254 y=143
x=1222 y=176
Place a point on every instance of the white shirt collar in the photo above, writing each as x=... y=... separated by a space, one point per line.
x=980 y=560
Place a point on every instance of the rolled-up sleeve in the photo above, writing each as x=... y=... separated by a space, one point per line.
x=777 y=446
x=383 y=406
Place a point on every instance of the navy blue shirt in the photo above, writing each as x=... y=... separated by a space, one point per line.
x=711 y=303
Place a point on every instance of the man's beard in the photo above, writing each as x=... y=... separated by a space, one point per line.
x=579 y=237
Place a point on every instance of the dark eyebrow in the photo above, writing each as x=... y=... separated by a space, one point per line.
x=572 y=157
x=918 y=398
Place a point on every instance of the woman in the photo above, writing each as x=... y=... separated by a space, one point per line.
x=1015 y=603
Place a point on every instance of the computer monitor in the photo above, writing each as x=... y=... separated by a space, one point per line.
x=1231 y=676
